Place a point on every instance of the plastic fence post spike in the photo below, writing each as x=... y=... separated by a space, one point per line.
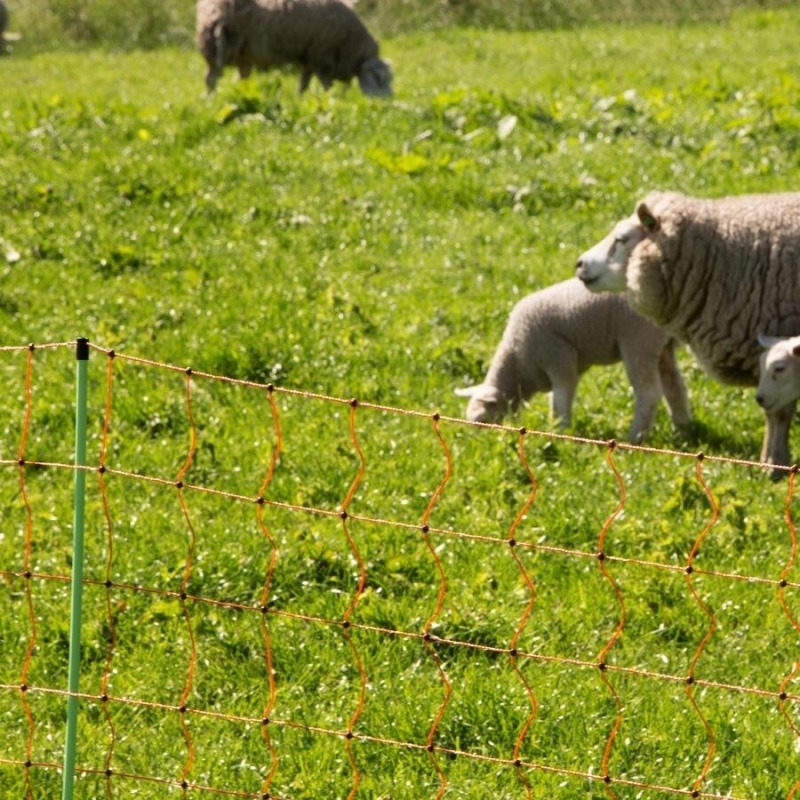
x=76 y=598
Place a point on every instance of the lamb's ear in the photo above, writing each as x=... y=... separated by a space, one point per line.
x=468 y=391
x=647 y=218
x=796 y=351
x=768 y=341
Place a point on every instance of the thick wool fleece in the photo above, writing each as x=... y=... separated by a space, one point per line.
x=717 y=273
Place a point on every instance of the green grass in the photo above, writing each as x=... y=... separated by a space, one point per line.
x=336 y=245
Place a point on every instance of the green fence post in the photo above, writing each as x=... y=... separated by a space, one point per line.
x=76 y=601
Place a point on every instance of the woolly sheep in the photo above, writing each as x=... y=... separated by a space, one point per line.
x=554 y=335
x=713 y=273
x=325 y=38
x=779 y=378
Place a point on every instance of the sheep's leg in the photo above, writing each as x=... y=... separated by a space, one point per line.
x=305 y=79
x=212 y=76
x=674 y=387
x=775 y=449
x=216 y=58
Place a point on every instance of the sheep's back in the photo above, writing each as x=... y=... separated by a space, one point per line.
x=718 y=273
x=597 y=325
x=325 y=35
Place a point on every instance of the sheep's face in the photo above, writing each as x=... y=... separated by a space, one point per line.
x=486 y=403
x=375 y=78
x=603 y=268
x=779 y=376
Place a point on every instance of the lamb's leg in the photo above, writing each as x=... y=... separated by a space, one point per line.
x=559 y=361
x=775 y=449
x=647 y=395
x=674 y=387
x=562 y=397
x=643 y=375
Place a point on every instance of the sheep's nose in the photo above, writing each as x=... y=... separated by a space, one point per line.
x=760 y=399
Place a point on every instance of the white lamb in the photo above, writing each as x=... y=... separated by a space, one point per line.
x=779 y=380
x=713 y=273
x=554 y=335
x=325 y=38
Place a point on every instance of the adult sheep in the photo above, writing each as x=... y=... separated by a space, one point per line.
x=554 y=335
x=325 y=38
x=715 y=274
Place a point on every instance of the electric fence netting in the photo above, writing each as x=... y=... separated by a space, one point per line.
x=289 y=595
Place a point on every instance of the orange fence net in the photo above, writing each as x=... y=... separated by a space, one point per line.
x=311 y=616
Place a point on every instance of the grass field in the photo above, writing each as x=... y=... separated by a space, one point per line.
x=339 y=246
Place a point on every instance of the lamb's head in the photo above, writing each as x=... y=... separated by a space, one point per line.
x=779 y=374
x=603 y=268
x=486 y=403
x=375 y=78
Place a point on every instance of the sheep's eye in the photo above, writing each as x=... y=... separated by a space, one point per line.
x=778 y=369
x=622 y=239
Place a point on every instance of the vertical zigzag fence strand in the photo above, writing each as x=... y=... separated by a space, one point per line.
x=110 y=611
x=362 y=580
x=512 y=647
x=426 y=630
x=712 y=626
x=268 y=608
x=601 y=658
x=187 y=571
x=265 y=595
x=784 y=582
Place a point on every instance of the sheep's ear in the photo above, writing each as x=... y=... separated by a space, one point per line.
x=468 y=391
x=768 y=341
x=647 y=218
x=796 y=350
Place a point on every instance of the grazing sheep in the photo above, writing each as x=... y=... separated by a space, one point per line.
x=779 y=380
x=325 y=38
x=554 y=335
x=713 y=273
